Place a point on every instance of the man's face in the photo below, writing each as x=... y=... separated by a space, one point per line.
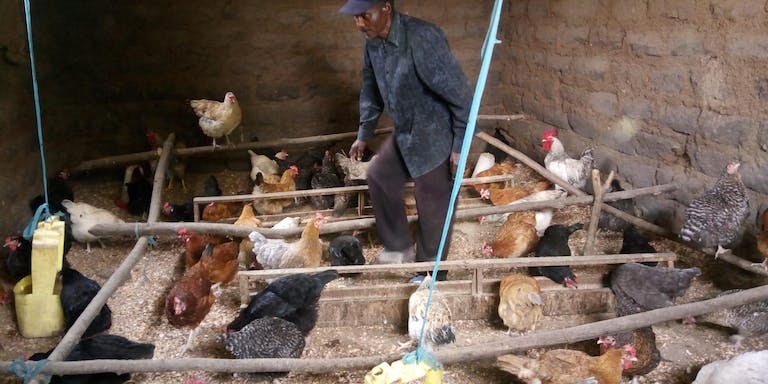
x=375 y=21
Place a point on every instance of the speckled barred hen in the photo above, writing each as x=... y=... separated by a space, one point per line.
x=714 y=219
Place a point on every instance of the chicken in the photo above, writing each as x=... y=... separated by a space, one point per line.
x=747 y=320
x=762 y=240
x=262 y=164
x=84 y=216
x=218 y=119
x=210 y=187
x=139 y=191
x=194 y=244
x=543 y=216
x=714 y=219
x=635 y=242
x=288 y=223
x=497 y=153
x=497 y=169
x=520 y=303
x=122 y=200
x=352 y=168
x=245 y=256
x=565 y=366
x=509 y=195
x=292 y=297
x=575 y=172
x=220 y=261
x=266 y=337
x=747 y=368
x=189 y=301
x=640 y=288
x=307 y=252
x=438 y=329
x=325 y=177
x=58 y=190
x=287 y=183
x=101 y=347
x=346 y=250
x=77 y=291
x=179 y=212
x=611 y=222
x=216 y=211
x=18 y=260
x=516 y=237
x=484 y=161
x=647 y=354
x=555 y=243
x=177 y=168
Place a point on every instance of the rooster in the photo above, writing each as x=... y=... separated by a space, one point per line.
x=575 y=172
x=218 y=119
x=307 y=252
x=84 y=216
x=714 y=219
x=520 y=302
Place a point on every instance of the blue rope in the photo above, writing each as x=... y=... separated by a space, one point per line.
x=20 y=368
x=45 y=213
x=485 y=56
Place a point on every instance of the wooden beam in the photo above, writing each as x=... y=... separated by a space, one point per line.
x=600 y=191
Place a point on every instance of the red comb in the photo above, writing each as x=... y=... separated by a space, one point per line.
x=549 y=133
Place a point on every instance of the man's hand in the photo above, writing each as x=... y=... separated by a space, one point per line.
x=454 y=164
x=357 y=150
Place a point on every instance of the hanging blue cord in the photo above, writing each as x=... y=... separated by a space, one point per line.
x=45 y=212
x=20 y=368
x=485 y=56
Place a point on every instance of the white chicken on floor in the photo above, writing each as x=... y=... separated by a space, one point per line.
x=84 y=216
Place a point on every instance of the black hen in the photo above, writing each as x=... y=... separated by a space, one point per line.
x=18 y=260
x=293 y=298
x=101 y=347
x=635 y=242
x=325 y=177
x=179 y=212
x=210 y=187
x=554 y=242
x=346 y=250
x=139 y=193
x=267 y=337
x=640 y=288
x=77 y=291
x=58 y=190
x=497 y=153
x=611 y=222
x=714 y=219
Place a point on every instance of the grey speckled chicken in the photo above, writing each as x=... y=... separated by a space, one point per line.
x=714 y=219
x=640 y=288
x=266 y=337
x=439 y=328
x=748 y=319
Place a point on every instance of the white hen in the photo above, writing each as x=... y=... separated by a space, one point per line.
x=84 y=216
x=747 y=368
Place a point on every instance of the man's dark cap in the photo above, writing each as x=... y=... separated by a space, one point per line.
x=356 y=7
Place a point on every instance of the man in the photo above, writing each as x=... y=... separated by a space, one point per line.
x=409 y=69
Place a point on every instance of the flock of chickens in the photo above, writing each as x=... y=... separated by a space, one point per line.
x=278 y=319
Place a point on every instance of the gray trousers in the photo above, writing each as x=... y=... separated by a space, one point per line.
x=386 y=180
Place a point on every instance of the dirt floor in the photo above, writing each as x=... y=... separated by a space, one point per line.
x=137 y=306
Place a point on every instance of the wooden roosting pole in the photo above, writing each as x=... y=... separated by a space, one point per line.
x=448 y=355
x=600 y=190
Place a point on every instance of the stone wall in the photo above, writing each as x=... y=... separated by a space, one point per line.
x=668 y=90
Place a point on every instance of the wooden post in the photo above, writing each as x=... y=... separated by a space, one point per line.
x=600 y=190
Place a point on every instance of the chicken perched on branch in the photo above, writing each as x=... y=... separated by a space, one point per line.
x=509 y=195
x=307 y=252
x=520 y=303
x=575 y=172
x=714 y=219
x=218 y=118
x=264 y=165
x=565 y=366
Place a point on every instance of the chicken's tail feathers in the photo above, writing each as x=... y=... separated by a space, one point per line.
x=443 y=335
x=516 y=365
x=326 y=276
x=575 y=227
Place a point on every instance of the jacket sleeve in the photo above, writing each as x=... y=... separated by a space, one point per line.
x=439 y=70
x=371 y=104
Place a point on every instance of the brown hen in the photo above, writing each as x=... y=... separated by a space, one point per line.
x=189 y=300
x=516 y=237
x=274 y=206
x=520 y=303
x=220 y=261
x=194 y=244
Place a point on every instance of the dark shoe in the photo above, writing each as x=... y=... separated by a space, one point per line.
x=407 y=255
